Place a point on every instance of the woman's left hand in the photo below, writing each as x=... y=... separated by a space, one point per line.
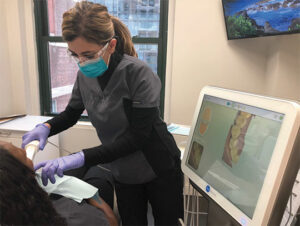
x=59 y=165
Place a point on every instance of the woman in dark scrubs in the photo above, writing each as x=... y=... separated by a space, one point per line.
x=121 y=95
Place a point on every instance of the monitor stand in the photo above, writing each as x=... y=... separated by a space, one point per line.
x=216 y=215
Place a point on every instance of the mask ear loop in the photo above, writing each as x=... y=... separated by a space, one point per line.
x=106 y=46
x=103 y=49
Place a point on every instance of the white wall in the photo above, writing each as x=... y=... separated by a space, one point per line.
x=18 y=47
x=283 y=69
x=202 y=55
x=5 y=84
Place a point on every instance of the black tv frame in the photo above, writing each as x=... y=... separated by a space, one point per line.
x=255 y=36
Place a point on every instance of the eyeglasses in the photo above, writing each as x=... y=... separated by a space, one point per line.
x=82 y=59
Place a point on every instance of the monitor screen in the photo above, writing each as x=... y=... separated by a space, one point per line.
x=240 y=153
x=232 y=145
x=254 y=18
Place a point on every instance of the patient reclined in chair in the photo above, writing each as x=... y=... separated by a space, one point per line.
x=24 y=200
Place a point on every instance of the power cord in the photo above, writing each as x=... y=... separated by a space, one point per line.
x=59 y=148
x=99 y=165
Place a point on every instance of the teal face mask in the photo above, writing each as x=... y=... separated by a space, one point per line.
x=93 y=68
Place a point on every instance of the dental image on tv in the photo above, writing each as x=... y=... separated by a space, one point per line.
x=234 y=152
x=253 y=18
x=195 y=155
x=235 y=140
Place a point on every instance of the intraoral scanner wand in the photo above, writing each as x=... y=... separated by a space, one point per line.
x=32 y=148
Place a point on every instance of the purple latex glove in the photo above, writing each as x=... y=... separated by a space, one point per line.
x=40 y=133
x=59 y=165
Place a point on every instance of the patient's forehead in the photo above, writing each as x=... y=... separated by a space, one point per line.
x=6 y=145
x=12 y=149
x=2 y=143
x=18 y=153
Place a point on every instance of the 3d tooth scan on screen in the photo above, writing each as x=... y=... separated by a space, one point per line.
x=206 y=115
x=242 y=152
x=235 y=148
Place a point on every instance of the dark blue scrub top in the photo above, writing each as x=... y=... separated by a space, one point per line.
x=134 y=80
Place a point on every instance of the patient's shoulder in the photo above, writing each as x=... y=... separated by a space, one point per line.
x=79 y=213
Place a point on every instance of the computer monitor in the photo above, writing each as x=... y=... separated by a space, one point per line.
x=239 y=150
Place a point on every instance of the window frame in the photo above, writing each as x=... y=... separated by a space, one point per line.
x=43 y=38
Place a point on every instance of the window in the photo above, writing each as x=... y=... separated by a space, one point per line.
x=146 y=20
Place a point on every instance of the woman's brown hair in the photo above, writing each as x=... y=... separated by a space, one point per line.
x=92 y=22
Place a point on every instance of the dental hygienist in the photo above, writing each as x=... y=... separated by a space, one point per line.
x=121 y=95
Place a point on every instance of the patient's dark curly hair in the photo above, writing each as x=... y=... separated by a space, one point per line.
x=22 y=200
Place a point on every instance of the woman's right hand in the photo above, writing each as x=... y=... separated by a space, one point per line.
x=40 y=133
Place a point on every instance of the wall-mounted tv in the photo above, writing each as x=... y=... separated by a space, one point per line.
x=256 y=18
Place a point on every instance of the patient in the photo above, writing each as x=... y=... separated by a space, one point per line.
x=24 y=202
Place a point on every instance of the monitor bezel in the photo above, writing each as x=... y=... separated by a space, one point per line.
x=278 y=162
